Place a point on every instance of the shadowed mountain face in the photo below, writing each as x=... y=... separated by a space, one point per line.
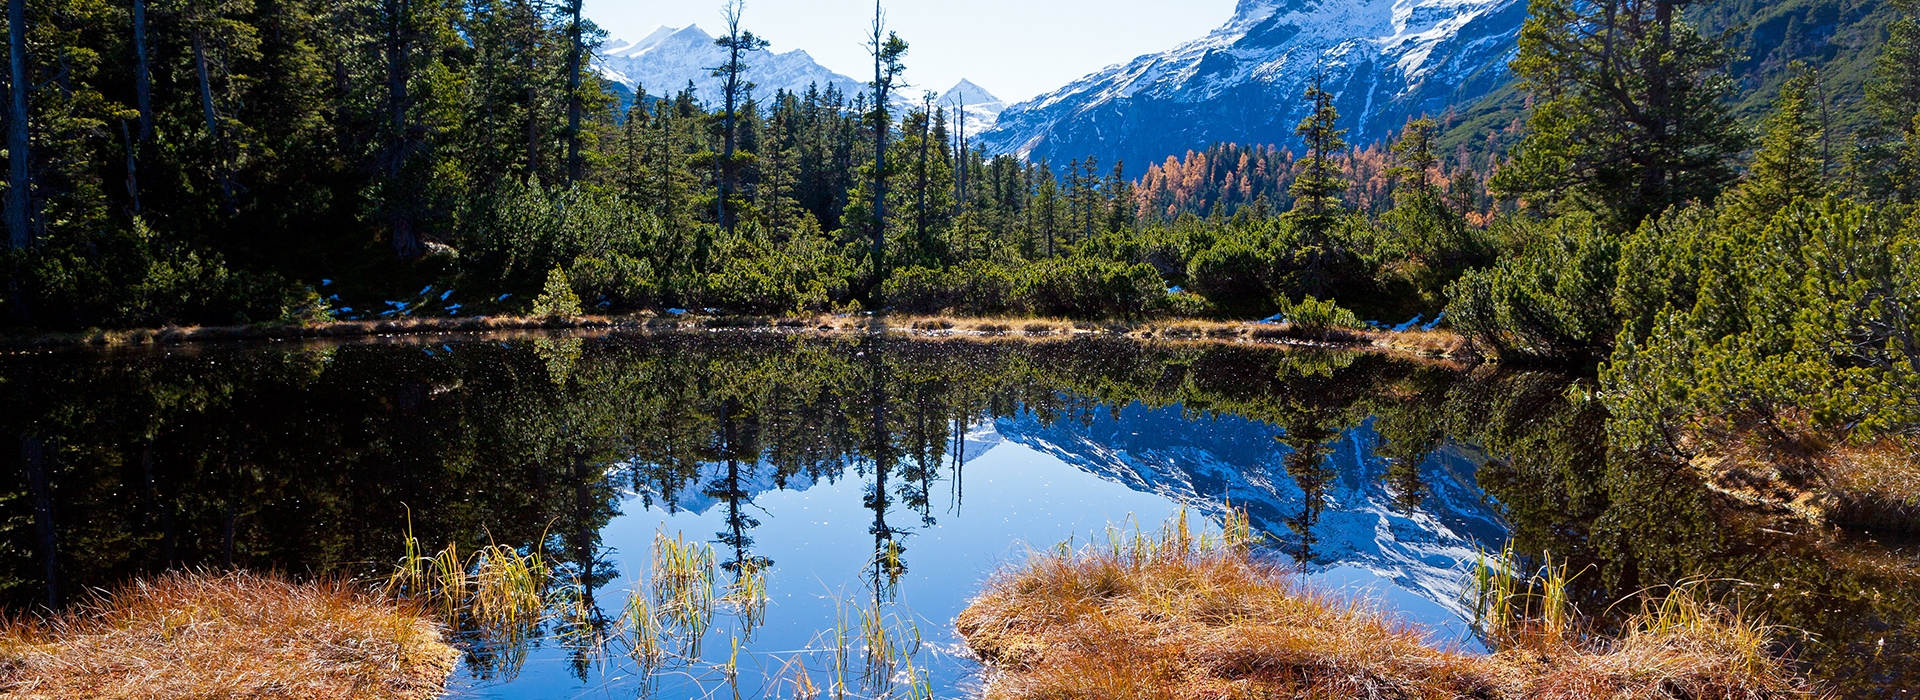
x=1386 y=61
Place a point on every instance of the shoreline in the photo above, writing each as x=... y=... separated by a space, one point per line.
x=1424 y=344
x=1758 y=486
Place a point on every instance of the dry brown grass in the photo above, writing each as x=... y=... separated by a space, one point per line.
x=1169 y=617
x=1430 y=343
x=205 y=636
x=1876 y=486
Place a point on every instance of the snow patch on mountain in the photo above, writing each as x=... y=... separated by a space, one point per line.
x=981 y=107
x=665 y=61
x=1384 y=60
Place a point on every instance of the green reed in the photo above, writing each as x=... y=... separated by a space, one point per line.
x=1510 y=609
x=645 y=637
x=747 y=596
x=682 y=587
x=508 y=591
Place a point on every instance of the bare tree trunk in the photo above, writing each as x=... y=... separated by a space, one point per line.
x=19 y=139
x=143 y=101
x=575 y=55
x=881 y=122
x=133 y=170
x=730 y=135
x=204 y=75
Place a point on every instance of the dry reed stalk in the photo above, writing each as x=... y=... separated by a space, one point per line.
x=195 y=635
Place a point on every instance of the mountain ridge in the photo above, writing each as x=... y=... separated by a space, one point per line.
x=668 y=59
x=1386 y=61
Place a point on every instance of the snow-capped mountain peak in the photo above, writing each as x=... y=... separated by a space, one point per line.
x=982 y=108
x=666 y=60
x=1385 y=61
x=669 y=58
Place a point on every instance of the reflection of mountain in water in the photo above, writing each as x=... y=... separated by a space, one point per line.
x=1205 y=461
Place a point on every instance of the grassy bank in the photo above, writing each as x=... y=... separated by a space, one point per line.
x=227 y=636
x=1419 y=342
x=1178 y=616
x=1874 y=486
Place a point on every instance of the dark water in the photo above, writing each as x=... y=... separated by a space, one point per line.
x=878 y=476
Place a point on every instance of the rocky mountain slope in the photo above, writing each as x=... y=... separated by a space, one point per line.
x=982 y=108
x=1384 y=60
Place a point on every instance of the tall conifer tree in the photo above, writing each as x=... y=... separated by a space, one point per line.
x=1629 y=116
x=1317 y=189
x=733 y=89
x=889 y=53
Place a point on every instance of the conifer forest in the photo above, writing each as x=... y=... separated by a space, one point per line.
x=1674 y=242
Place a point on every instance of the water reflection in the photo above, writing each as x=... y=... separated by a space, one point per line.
x=834 y=473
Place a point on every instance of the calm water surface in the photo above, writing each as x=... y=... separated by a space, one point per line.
x=885 y=477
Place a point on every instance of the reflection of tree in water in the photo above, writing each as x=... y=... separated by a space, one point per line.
x=306 y=461
x=1317 y=408
x=742 y=459
x=889 y=555
x=1310 y=471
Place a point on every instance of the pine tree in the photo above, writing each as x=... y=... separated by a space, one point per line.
x=576 y=65
x=1629 y=117
x=1414 y=159
x=889 y=52
x=1890 y=161
x=558 y=300
x=1317 y=190
x=733 y=90
x=1788 y=165
x=1123 y=212
x=1431 y=230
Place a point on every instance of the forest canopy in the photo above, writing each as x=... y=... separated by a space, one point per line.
x=295 y=161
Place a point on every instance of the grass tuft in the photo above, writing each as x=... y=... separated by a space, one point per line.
x=196 y=635
x=1176 y=614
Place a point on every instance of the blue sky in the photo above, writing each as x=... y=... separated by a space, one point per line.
x=1014 y=48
